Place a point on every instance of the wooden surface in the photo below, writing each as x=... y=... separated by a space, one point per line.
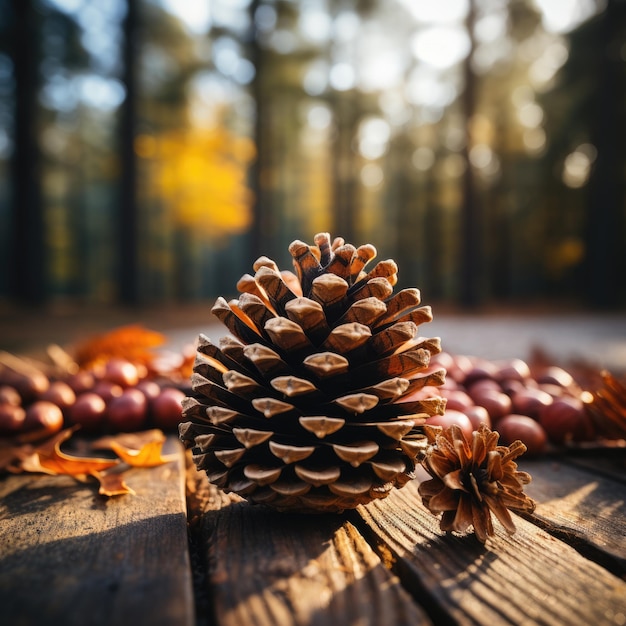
x=583 y=507
x=67 y=556
x=388 y=564
x=529 y=577
x=297 y=569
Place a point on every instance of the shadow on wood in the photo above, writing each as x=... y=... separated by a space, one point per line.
x=70 y=556
x=267 y=567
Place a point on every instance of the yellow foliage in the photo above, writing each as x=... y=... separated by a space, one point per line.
x=200 y=175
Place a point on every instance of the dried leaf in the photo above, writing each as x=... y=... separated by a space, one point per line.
x=134 y=450
x=140 y=449
x=149 y=455
x=134 y=440
x=61 y=359
x=29 y=462
x=607 y=406
x=132 y=342
x=53 y=460
x=112 y=483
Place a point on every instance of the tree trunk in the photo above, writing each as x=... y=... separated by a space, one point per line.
x=128 y=217
x=29 y=280
x=470 y=257
x=605 y=223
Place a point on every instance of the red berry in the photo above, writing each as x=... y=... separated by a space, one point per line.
x=149 y=388
x=554 y=375
x=43 y=417
x=11 y=418
x=456 y=399
x=478 y=415
x=498 y=404
x=482 y=385
x=512 y=386
x=515 y=369
x=107 y=390
x=453 y=417
x=128 y=412
x=530 y=401
x=527 y=430
x=459 y=367
x=167 y=408
x=121 y=372
x=81 y=381
x=59 y=393
x=566 y=420
x=88 y=411
x=481 y=370
x=9 y=395
x=31 y=386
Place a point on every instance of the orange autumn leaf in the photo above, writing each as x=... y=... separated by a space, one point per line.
x=49 y=458
x=112 y=483
x=133 y=342
x=133 y=450
x=133 y=440
x=149 y=455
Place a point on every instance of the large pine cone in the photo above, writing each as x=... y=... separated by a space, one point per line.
x=308 y=406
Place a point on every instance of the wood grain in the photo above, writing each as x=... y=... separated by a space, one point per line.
x=269 y=568
x=69 y=556
x=609 y=462
x=582 y=508
x=530 y=577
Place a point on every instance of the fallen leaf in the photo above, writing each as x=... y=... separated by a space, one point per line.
x=149 y=455
x=134 y=441
x=112 y=483
x=133 y=450
x=53 y=460
x=132 y=342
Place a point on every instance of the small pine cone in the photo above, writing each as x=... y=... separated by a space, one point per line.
x=308 y=404
x=472 y=480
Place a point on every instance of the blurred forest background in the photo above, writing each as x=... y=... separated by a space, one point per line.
x=150 y=150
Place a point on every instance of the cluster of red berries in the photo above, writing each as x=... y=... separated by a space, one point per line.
x=117 y=396
x=540 y=407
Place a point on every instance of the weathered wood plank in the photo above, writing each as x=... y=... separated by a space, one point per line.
x=69 y=556
x=583 y=508
x=529 y=577
x=610 y=462
x=271 y=568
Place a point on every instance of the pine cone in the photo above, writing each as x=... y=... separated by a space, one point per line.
x=307 y=406
x=470 y=481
